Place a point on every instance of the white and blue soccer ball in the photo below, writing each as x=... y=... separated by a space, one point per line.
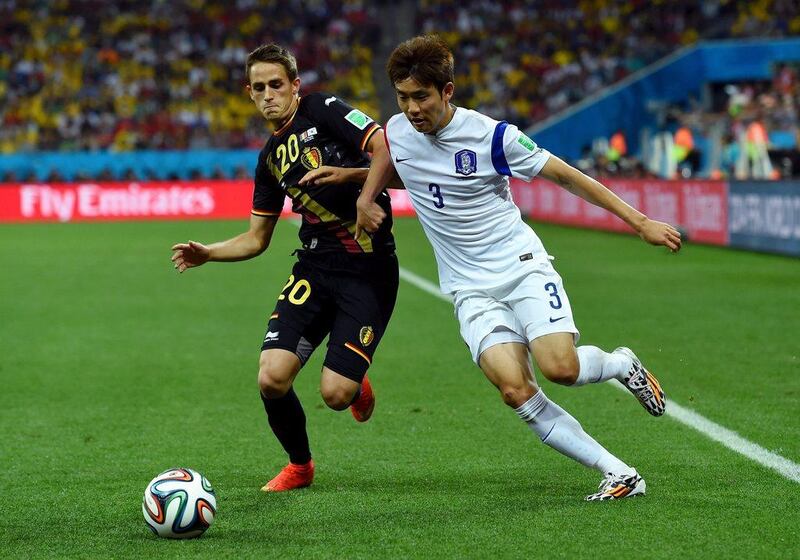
x=179 y=504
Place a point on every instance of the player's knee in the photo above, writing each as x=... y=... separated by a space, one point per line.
x=276 y=372
x=515 y=395
x=271 y=386
x=337 y=397
x=272 y=381
x=563 y=371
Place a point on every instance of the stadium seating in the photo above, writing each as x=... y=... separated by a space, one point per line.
x=88 y=75
x=525 y=60
x=93 y=76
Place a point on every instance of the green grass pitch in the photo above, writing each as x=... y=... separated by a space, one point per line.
x=113 y=368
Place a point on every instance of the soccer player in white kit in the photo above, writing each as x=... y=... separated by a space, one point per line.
x=509 y=300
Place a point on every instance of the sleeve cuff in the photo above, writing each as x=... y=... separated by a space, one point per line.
x=265 y=213
x=372 y=130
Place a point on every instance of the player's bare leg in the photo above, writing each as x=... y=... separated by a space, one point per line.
x=340 y=392
x=561 y=362
x=276 y=373
x=508 y=367
x=556 y=357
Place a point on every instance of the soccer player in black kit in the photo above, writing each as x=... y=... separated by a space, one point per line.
x=343 y=285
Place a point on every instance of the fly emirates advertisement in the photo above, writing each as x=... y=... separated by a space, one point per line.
x=699 y=207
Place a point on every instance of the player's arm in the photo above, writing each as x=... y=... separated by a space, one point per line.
x=378 y=142
x=244 y=246
x=580 y=184
x=381 y=171
x=330 y=175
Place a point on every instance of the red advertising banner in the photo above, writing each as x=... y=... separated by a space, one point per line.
x=158 y=200
x=699 y=207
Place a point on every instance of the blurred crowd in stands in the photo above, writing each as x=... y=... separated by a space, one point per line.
x=152 y=74
x=523 y=61
x=759 y=124
x=746 y=130
x=87 y=75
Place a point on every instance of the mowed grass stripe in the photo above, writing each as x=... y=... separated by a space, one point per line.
x=720 y=434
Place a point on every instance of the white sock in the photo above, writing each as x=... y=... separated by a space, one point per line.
x=597 y=366
x=563 y=433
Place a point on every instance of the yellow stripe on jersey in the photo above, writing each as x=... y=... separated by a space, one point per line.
x=374 y=128
x=364 y=241
x=264 y=213
x=358 y=351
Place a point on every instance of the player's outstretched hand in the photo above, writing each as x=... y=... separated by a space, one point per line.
x=189 y=255
x=659 y=233
x=369 y=218
x=325 y=175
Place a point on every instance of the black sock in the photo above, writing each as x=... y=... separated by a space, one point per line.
x=288 y=423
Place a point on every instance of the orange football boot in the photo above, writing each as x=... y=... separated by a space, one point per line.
x=291 y=477
x=363 y=406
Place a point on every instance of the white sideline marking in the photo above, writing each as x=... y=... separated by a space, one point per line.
x=423 y=284
x=728 y=438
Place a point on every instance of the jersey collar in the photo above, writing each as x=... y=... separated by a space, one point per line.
x=444 y=131
x=283 y=129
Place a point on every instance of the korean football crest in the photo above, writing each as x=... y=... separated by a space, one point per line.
x=366 y=336
x=466 y=162
x=311 y=158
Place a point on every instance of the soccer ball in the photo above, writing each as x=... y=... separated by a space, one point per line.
x=179 y=504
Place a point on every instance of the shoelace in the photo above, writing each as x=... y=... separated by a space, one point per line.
x=606 y=482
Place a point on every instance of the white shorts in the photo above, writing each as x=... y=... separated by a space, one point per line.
x=522 y=311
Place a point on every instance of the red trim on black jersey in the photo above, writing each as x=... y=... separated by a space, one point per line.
x=346 y=238
x=265 y=213
x=372 y=130
x=288 y=123
x=349 y=242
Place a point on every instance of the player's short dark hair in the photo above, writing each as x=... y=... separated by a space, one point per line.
x=273 y=53
x=426 y=58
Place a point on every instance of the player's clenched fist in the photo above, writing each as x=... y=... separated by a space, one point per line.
x=189 y=255
x=369 y=216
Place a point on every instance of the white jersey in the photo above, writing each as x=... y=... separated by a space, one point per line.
x=457 y=180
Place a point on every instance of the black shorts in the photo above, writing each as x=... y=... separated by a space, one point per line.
x=349 y=297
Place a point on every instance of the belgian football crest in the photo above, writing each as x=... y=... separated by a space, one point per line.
x=311 y=158
x=466 y=162
x=366 y=335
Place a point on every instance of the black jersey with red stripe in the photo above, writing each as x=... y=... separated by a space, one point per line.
x=324 y=131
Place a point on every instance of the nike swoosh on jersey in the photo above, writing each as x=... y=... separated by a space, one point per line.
x=398 y=160
x=556 y=319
